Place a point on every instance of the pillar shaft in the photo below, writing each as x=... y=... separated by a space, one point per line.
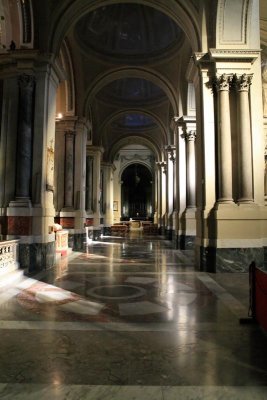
x=159 y=193
x=25 y=136
x=108 y=193
x=224 y=142
x=244 y=145
x=69 y=169
x=190 y=169
x=89 y=183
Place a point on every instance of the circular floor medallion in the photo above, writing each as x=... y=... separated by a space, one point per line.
x=116 y=292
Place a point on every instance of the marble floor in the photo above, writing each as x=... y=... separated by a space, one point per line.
x=130 y=318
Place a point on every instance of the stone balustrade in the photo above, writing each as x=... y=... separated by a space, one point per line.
x=8 y=256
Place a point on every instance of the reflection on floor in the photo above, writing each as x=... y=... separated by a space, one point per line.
x=130 y=318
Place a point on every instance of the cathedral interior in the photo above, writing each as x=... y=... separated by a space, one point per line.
x=133 y=199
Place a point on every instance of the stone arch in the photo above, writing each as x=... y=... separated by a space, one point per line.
x=66 y=89
x=137 y=111
x=133 y=140
x=132 y=72
x=141 y=162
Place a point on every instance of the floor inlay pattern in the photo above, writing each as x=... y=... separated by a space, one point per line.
x=129 y=319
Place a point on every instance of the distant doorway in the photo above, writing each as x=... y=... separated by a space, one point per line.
x=136 y=193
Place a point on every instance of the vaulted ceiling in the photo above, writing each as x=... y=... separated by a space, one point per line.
x=129 y=64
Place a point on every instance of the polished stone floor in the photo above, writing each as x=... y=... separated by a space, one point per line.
x=130 y=318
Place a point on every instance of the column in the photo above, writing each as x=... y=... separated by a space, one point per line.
x=171 y=183
x=224 y=141
x=96 y=153
x=81 y=131
x=186 y=158
x=108 y=170
x=161 y=194
x=242 y=85
x=96 y=183
x=164 y=194
x=69 y=169
x=25 y=137
x=190 y=169
x=89 y=184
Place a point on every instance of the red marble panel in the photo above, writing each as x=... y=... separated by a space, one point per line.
x=89 y=222
x=19 y=226
x=67 y=222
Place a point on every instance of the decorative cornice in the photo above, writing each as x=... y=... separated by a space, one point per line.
x=234 y=55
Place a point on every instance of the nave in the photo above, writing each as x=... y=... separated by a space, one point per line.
x=129 y=318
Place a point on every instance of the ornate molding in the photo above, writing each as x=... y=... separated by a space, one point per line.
x=234 y=55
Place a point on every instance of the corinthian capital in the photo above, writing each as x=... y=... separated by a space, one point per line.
x=190 y=135
x=26 y=81
x=171 y=151
x=243 y=82
x=223 y=82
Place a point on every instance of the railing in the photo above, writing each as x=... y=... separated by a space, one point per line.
x=258 y=295
x=8 y=256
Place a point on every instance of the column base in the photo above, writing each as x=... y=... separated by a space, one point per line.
x=229 y=259
x=107 y=230
x=77 y=239
x=186 y=242
x=23 y=202
x=36 y=256
x=168 y=234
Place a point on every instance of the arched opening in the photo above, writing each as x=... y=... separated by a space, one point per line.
x=136 y=193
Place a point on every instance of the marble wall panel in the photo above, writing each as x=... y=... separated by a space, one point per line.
x=21 y=226
x=230 y=259
x=37 y=256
